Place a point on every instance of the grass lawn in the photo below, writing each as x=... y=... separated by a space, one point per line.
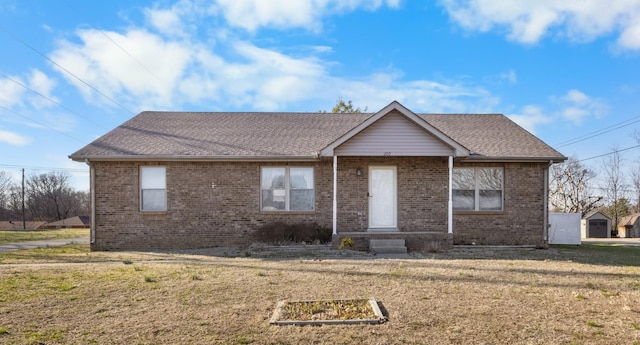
x=564 y=295
x=13 y=236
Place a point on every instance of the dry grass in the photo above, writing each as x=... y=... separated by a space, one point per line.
x=465 y=296
x=15 y=236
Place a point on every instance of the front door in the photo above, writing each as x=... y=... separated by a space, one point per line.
x=382 y=197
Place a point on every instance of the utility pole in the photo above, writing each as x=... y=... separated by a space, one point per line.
x=24 y=223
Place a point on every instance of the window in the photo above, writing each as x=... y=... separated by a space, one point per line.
x=153 y=189
x=287 y=189
x=477 y=189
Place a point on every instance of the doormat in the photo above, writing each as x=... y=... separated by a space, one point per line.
x=327 y=312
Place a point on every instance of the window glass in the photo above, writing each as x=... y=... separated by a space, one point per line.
x=478 y=189
x=153 y=189
x=287 y=189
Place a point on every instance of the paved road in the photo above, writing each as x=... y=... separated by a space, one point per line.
x=42 y=244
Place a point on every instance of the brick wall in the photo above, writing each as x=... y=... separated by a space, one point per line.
x=521 y=222
x=218 y=204
x=198 y=215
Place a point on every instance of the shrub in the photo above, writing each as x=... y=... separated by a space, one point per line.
x=281 y=233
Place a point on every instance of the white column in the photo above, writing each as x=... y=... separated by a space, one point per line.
x=335 y=195
x=450 y=206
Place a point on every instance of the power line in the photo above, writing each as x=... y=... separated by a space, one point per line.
x=609 y=153
x=64 y=69
x=40 y=123
x=43 y=168
x=118 y=45
x=598 y=132
x=51 y=100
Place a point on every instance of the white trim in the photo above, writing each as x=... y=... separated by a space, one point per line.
x=450 y=204
x=393 y=168
x=92 y=191
x=287 y=186
x=140 y=189
x=335 y=195
x=457 y=147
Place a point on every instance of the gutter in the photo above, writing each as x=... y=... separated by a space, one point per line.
x=224 y=158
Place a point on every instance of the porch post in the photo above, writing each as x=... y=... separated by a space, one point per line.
x=335 y=194
x=450 y=206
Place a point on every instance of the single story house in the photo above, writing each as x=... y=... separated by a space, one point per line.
x=595 y=224
x=203 y=179
x=629 y=226
x=72 y=222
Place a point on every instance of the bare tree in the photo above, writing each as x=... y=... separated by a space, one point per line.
x=5 y=190
x=635 y=184
x=49 y=196
x=615 y=188
x=569 y=188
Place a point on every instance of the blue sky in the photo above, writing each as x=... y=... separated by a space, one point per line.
x=72 y=70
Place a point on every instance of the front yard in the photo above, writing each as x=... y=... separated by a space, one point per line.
x=564 y=295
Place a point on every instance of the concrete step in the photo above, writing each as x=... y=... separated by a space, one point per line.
x=388 y=250
x=387 y=246
x=399 y=242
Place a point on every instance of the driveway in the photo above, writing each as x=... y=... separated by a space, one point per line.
x=632 y=242
x=42 y=244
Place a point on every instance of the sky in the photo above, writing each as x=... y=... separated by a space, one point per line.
x=72 y=70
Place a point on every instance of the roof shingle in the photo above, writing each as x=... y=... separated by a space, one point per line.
x=201 y=135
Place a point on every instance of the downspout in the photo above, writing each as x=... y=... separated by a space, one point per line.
x=450 y=204
x=92 y=196
x=545 y=230
x=335 y=195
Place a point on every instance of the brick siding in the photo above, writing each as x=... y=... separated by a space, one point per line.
x=213 y=204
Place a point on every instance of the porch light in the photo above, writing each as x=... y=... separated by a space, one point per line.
x=359 y=172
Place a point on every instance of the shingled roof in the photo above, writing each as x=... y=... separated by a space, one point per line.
x=262 y=135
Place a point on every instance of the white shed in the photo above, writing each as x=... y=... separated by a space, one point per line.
x=595 y=225
x=565 y=228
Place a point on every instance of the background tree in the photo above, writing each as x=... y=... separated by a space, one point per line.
x=615 y=188
x=49 y=197
x=635 y=185
x=568 y=188
x=345 y=107
x=5 y=194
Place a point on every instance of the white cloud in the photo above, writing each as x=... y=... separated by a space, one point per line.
x=529 y=117
x=10 y=93
x=149 y=68
x=253 y=14
x=576 y=106
x=528 y=21
x=13 y=138
x=169 y=71
x=42 y=84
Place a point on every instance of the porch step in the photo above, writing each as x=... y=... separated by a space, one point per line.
x=387 y=246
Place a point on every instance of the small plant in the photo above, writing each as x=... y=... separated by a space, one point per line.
x=635 y=326
x=589 y=285
x=127 y=262
x=137 y=268
x=195 y=276
x=4 y=330
x=594 y=324
x=244 y=341
x=261 y=274
x=579 y=296
x=607 y=293
x=150 y=279
x=347 y=242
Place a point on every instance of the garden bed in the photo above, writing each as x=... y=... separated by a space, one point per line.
x=345 y=311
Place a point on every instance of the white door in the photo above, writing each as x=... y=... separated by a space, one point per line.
x=382 y=197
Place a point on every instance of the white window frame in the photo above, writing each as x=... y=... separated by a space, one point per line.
x=164 y=207
x=287 y=187
x=476 y=206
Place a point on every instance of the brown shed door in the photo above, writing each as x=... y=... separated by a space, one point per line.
x=598 y=228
